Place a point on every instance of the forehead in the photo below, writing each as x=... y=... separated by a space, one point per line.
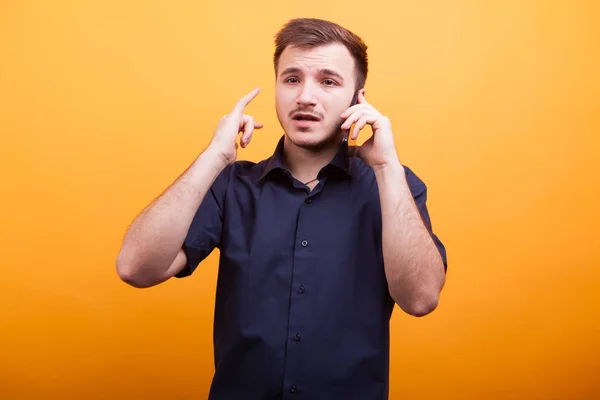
x=334 y=56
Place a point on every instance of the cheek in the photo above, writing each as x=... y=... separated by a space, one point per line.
x=281 y=108
x=284 y=102
x=334 y=112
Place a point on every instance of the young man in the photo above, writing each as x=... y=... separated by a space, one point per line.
x=316 y=244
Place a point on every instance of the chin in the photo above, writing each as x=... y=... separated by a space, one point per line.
x=312 y=139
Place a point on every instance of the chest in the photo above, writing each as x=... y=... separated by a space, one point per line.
x=327 y=240
x=332 y=217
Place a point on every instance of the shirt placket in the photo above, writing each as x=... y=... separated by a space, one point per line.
x=304 y=258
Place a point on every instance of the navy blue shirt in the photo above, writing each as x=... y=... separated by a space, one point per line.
x=302 y=305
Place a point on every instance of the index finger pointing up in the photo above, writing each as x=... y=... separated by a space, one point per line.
x=244 y=101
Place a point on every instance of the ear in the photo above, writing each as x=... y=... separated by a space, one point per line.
x=361 y=96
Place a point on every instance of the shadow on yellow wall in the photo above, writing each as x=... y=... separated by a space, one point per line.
x=494 y=104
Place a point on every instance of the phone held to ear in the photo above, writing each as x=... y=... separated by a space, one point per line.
x=347 y=133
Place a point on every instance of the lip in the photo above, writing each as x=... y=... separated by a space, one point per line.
x=305 y=123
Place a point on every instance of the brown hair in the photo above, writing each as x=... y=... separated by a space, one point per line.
x=311 y=32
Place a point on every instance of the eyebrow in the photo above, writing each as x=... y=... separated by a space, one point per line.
x=324 y=71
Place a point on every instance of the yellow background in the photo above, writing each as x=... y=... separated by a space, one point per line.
x=495 y=105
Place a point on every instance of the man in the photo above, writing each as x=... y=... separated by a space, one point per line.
x=316 y=244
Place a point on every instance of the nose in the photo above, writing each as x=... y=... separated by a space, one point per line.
x=306 y=95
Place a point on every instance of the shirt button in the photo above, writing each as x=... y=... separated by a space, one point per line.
x=301 y=289
x=293 y=389
x=297 y=337
x=308 y=200
x=304 y=243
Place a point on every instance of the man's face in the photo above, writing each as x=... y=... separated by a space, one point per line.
x=314 y=87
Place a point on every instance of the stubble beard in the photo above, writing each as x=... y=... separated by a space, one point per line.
x=332 y=139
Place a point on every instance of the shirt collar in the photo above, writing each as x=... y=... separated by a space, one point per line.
x=340 y=162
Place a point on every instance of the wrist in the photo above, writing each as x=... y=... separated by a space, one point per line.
x=390 y=168
x=215 y=158
x=207 y=166
x=394 y=190
x=391 y=177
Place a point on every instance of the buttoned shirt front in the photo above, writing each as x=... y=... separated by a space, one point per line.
x=302 y=304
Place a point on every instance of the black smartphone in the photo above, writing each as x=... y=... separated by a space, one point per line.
x=347 y=133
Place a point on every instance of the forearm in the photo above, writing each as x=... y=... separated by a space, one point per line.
x=413 y=264
x=154 y=238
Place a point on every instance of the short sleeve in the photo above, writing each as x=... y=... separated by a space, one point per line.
x=419 y=193
x=204 y=234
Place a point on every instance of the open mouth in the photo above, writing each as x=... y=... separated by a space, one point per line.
x=306 y=117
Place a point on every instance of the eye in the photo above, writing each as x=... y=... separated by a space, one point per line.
x=329 y=82
x=291 y=79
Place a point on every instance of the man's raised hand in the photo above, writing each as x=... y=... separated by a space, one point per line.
x=224 y=141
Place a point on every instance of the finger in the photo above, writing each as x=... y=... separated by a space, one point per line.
x=246 y=118
x=249 y=126
x=351 y=119
x=353 y=109
x=244 y=101
x=359 y=125
x=248 y=129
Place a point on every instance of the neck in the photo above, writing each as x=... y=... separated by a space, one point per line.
x=304 y=164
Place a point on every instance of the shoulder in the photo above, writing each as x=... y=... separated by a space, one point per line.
x=246 y=169
x=239 y=170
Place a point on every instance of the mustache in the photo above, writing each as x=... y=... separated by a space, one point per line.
x=305 y=111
